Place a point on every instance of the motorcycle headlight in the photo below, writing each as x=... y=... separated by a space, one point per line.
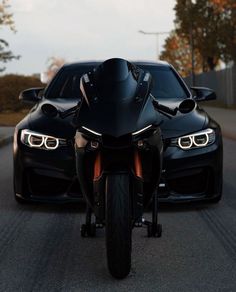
x=141 y=131
x=196 y=140
x=91 y=131
x=41 y=141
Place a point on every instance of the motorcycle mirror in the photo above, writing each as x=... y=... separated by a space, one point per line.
x=49 y=110
x=186 y=106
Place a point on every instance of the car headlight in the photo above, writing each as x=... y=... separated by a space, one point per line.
x=41 y=141
x=200 y=139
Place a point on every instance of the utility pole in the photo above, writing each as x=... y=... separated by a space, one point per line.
x=157 y=34
x=191 y=38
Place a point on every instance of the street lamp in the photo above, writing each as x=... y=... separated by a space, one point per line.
x=192 y=3
x=157 y=37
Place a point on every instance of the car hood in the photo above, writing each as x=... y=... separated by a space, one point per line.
x=53 y=126
x=181 y=124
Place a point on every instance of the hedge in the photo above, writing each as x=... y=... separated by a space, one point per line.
x=10 y=88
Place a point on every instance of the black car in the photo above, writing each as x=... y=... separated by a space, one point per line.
x=44 y=156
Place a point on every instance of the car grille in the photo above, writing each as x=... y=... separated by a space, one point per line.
x=198 y=182
x=44 y=186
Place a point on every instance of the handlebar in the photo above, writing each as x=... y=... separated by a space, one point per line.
x=163 y=108
x=68 y=112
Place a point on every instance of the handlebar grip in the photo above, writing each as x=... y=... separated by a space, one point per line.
x=164 y=108
x=167 y=109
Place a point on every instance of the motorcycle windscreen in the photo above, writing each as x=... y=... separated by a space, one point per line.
x=113 y=107
x=117 y=117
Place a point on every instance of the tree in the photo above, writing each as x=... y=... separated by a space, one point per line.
x=212 y=25
x=53 y=65
x=177 y=51
x=201 y=23
x=6 y=19
x=226 y=9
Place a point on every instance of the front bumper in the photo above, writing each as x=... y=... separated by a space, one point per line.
x=192 y=175
x=188 y=175
x=41 y=175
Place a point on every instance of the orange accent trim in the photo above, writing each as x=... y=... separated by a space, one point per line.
x=138 y=165
x=97 y=166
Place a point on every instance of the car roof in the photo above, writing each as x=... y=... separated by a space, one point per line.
x=97 y=63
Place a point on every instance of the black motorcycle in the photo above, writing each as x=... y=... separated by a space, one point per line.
x=119 y=149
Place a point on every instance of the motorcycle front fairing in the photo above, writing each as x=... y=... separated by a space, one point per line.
x=116 y=99
x=117 y=132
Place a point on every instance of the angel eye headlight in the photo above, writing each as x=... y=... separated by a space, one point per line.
x=195 y=140
x=40 y=141
x=201 y=140
x=185 y=142
x=35 y=140
x=51 y=143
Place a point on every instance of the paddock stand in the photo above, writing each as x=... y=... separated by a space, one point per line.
x=154 y=229
x=89 y=228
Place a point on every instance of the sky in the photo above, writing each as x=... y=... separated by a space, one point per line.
x=85 y=30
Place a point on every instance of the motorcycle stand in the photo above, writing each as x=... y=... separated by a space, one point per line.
x=88 y=229
x=154 y=229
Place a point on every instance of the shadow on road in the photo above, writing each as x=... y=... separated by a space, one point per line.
x=81 y=207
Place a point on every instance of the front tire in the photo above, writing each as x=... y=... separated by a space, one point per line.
x=118 y=225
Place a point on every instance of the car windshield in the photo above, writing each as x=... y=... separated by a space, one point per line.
x=66 y=83
x=166 y=84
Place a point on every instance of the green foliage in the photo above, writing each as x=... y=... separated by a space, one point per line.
x=10 y=88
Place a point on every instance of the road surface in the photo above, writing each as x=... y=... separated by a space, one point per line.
x=41 y=248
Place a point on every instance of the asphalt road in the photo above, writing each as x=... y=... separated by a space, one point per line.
x=41 y=248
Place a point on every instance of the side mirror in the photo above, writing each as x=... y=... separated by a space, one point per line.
x=49 y=110
x=31 y=95
x=203 y=93
x=186 y=106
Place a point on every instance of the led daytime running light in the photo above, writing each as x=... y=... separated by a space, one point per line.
x=193 y=139
x=142 y=130
x=44 y=140
x=91 y=131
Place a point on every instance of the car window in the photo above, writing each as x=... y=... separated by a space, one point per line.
x=165 y=83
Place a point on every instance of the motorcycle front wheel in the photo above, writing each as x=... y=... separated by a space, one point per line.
x=118 y=225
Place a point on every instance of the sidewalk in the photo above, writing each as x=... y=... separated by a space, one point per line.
x=6 y=135
x=225 y=117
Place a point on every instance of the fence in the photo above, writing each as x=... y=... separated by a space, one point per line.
x=223 y=82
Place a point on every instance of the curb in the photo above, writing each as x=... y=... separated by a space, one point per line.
x=6 y=140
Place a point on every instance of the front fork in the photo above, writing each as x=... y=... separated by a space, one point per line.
x=153 y=228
